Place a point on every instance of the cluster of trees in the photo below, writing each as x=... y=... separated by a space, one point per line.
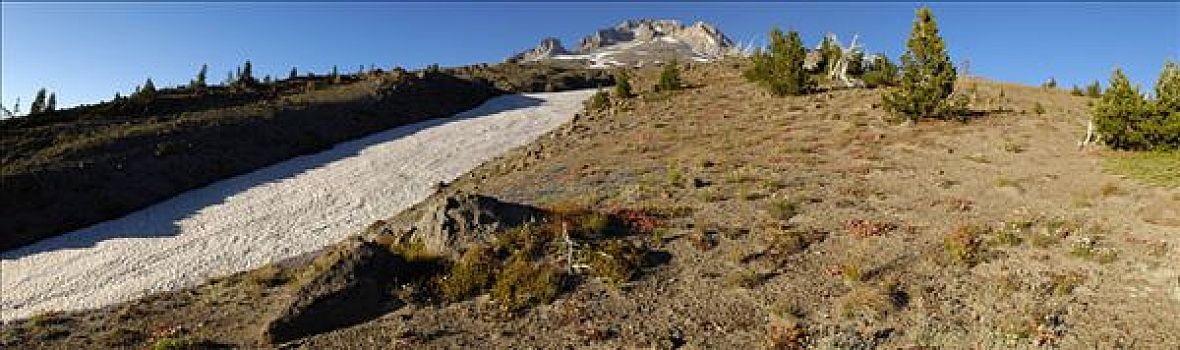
x=1126 y=119
x=782 y=70
x=1092 y=90
x=42 y=104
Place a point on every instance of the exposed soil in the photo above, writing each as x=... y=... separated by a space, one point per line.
x=794 y=222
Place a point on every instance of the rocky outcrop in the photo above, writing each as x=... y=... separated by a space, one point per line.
x=548 y=48
x=638 y=43
x=347 y=284
x=450 y=221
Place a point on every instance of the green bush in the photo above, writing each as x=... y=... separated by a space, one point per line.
x=469 y=276
x=1127 y=120
x=599 y=101
x=881 y=72
x=623 y=85
x=928 y=76
x=523 y=283
x=781 y=69
x=670 y=78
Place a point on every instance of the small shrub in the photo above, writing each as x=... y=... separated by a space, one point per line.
x=669 y=78
x=744 y=278
x=1062 y=284
x=470 y=275
x=868 y=228
x=872 y=302
x=1089 y=248
x=783 y=209
x=881 y=73
x=616 y=261
x=964 y=245
x=597 y=102
x=523 y=283
x=623 y=85
x=1038 y=108
x=173 y=343
x=782 y=334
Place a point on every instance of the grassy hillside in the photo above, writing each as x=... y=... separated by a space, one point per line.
x=80 y=166
x=781 y=222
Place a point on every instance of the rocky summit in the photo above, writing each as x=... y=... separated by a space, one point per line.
x=636 y=43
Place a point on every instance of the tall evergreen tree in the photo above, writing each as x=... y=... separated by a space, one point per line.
x=829 y=53
x=148 y=90
x=200 y=81
x=335 y=76
x=51 y=103
x=1119 y=112
x=247 y=74
x=294 y=73
x=38 y=104
x=1167 y=89
x=928 y=76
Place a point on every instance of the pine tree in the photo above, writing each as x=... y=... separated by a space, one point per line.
x=247 y=75
x=1162 y=128
x=38 y=104
x=1094 y=89
x=882 y=72
x=1119 y=112
x=1050 y=84
x=200 y=81
x=1167 y=89
x=928 y=76
x=335 y=76
x=1076 y=91
x=829 y=53
x=781 y=69
x=51 y=103
x=294 y=73
x=623 y=85
x=148 y=91
x=669 y=77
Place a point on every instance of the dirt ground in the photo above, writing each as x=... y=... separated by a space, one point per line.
x=803 y=222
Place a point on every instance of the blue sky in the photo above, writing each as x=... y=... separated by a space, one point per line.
x=85 y=52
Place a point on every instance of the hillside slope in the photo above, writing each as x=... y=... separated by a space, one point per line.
x=790 y=222
x=81 y=166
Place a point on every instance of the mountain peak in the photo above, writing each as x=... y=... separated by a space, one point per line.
x=638 y=42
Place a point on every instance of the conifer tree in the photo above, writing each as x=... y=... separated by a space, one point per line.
x=1119 y=112
x=38 y=104
x=1167 y=89
x=669 y=77
x=200 y=81
x=148 y=91
x=781 y=69
x=335 y=76
x=829 y=53
x=1076 y=91
x=881 y=72
x=623 y=85
x=1094 y=89
x=294 y=73
x=928 y=76
x=247 y=74
x=50 y=104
